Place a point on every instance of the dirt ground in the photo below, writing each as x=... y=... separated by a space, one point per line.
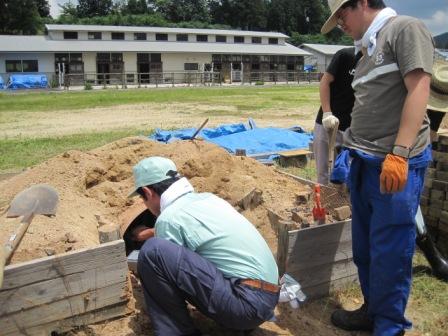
x=92 y=188
x=141 y=116
x=93 y=185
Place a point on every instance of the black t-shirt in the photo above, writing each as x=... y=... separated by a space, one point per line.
x=342 y=95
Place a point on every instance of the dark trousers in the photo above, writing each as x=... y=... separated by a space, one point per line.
x=383 y=229
x=173 y=275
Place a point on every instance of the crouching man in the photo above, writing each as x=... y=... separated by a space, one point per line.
x=201 y=251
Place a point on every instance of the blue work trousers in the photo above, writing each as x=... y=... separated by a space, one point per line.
x=383 y=233
x=173 y=275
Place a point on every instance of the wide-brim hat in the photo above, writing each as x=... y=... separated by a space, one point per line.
x=332 y=20
x=438 y=97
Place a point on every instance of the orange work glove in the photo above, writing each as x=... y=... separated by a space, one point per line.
x=394 y=174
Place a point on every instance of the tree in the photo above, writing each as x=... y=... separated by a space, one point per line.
x=43 y=8
x=90 y=8
x=243 y=14
x=136 y=7
x=19 y=17
x=182 y=10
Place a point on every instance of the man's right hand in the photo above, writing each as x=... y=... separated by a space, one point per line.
x=329 y=121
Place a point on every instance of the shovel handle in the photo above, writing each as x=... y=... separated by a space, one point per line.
x=332 y=133
x=199 y=129
x=12 y=243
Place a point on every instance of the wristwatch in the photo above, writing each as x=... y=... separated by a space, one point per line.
x=401 y=151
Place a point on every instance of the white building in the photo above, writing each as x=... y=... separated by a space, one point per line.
x=321 y=54
x=148 y=54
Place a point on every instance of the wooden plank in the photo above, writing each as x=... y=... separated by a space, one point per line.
x=313 y=276
x=282 y=245
x=45 y=292
x=48 y=268
x=321 y=235
x=302 y=259
x=325 y=289
x=61 y=326
x=297 y=152
x=65 y=308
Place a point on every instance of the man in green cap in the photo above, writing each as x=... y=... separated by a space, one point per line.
x=388 y=140
x=202 y=251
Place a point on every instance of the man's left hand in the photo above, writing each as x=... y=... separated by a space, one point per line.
x=394 y=174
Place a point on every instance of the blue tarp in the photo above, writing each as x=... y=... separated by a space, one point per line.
x=2 y=83
x=36 y=81
x=239 y=136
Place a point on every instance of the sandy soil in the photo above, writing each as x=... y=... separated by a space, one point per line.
x=92 y=187
x=141 y=116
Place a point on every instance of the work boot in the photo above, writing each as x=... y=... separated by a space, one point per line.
x=438 y=264
x=352 y=320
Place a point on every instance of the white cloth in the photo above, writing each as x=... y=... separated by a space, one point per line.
x=176 y=190
x=329 y=121
x=369 y=38
x=358 y=46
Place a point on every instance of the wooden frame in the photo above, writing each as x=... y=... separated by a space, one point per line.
x=54 y=294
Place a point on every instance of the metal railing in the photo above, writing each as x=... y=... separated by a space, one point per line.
x=173 y=78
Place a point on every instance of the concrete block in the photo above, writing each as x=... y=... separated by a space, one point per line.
x=440 y=185
x=430 y=173
x=442 y=176
x=437 y=195
x=428 y=182
x=343 y=212
x=303 y=197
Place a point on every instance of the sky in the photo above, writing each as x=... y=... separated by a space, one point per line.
x=434 y=13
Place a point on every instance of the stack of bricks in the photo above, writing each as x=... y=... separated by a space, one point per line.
x=434 y=200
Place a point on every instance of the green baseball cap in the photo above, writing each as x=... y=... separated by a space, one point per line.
x=150 y=171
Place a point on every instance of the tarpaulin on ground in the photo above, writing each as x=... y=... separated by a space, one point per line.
x=2 y=83
x=253 y=140
x=37 y=81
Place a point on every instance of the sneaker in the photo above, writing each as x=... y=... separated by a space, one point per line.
x=352 y=320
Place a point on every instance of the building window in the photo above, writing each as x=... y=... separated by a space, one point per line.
x=13 y=66
x=273 y=40
x=221 y=38
x=201 y=38
x=142 y=58
x=94 y=35
x=182 y=37
x=238 y=39
x=117 y=36
x=256 y=39
x=140 y=36
x=155 y=58
x=21 y=66
x=191 y=66
x=255 y=66
x=116 y=57
x=161 y=37
x=105 y=57
x=70 y=35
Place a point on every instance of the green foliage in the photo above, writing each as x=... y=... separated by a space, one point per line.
x=259 y=82
x=21 y=17
x=90 y=8
x=88 y=86
x=336 y=38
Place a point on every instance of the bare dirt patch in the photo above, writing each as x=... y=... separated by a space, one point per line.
x=93 y=186
x=141 y=116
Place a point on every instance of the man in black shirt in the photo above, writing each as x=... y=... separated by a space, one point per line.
x=337 y=98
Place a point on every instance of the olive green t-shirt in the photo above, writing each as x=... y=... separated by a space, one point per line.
x=404 y=44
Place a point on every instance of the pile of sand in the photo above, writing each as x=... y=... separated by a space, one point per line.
x=93 y=186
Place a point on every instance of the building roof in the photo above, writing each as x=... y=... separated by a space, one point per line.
x=94 y=28
x=40 y=43
x=326 y=49
x=442 y=53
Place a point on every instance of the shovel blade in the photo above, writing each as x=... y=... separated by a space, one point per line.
x=40 y=199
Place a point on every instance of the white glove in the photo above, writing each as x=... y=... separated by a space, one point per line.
x=329 y=121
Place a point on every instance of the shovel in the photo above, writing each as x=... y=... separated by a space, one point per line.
x=332 y=133
x=199 y=129
x=40 y=199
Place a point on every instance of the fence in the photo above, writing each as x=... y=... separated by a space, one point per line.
x=190 y=78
